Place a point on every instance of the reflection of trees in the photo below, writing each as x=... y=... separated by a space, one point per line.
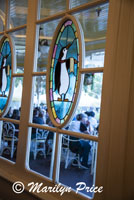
x=40 y=86
x=18 y=80
x=93 y=84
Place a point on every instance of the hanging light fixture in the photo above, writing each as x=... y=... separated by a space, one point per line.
x=43 y=47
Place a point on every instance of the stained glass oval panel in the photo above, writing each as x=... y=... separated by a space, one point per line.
x=5 y=73
x=63 y=71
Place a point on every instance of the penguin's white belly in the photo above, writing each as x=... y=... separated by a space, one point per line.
x=4 y=80
x=64 y=79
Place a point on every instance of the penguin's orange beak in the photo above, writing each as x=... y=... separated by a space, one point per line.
x=67 y=47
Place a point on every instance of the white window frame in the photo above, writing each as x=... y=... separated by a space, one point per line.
x=114 y=126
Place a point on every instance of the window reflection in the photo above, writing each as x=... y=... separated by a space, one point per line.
x=2 y=15
x=75 y=3
x=18 y=13
x=17 y=94
x=94 y=25
x=46 y=32
x=19 y=38
x=51 y=7
x=39 y=91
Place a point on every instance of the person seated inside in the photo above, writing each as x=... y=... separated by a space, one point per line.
x=9 y=113
x=41 y=116
x=80 y=146
x=49 y=140
x=16 y=116
x=37 y=119
x=92 y=120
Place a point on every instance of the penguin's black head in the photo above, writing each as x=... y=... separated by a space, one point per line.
x=3 y=60
x=62 y=52
x=5 y=57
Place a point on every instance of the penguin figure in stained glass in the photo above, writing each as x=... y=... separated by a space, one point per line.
x=62 y=78
x=4 y=70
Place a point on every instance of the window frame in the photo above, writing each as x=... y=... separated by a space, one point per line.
x=106 y=139
x=22 y=161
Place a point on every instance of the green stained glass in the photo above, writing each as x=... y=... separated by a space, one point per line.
x=51 y=74
x=74 y=28
x=78 y=45
x=52 y=104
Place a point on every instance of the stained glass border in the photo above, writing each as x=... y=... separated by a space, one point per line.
x=13 y=68
x=81 y=49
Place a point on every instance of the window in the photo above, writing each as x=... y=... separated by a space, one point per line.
x=10 y=121
x=44 y=148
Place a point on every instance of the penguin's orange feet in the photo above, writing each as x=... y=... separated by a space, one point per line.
x=59 y=99
x=66 y=100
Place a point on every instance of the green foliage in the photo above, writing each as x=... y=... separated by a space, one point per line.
x=93 y=84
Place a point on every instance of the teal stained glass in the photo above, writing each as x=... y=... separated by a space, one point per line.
x=64 y=71
x=5 y=72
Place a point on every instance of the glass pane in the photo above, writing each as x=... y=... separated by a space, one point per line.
x=78 y=164
x=46 y=32
x=19 y=38
x=88 y=110
x=2 y=15
x=75 y=3
x=18 y=13
x=39 y=91
x=41 y=160
x=94 y=25
x=95 y=59
x=42 y=151
x=40 y=114
x=51 y=7
x=8 y=140
x=10 y=131
x=17 y=94
x=16 y=98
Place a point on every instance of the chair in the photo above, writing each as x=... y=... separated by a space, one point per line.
x=38 y=143
x=94 y=146
x=69 y=155
x=9 y=140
